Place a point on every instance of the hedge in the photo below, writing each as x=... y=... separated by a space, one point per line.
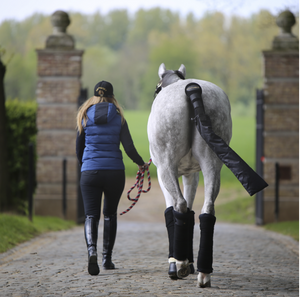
x=21 y=130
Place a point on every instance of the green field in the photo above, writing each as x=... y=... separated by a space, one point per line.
x=243 y=142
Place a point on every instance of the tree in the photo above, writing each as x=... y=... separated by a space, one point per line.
x=3 y=147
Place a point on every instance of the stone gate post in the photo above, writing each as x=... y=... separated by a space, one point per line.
x=281 y=121
x=58 y=87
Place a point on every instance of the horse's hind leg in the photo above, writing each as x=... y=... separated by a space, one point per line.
x=207 y=223
x=169 y=219
x=211 y=167
x=177 y=224
x=190 y=184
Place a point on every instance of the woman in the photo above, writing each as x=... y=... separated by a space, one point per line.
x=101 y=127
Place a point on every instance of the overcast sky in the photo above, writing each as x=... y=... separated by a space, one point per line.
x=20 y=9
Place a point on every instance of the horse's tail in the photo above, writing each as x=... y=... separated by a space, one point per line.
x=250 y=180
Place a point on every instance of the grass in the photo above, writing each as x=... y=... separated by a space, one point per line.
x=239 y=211
x=290 y=228
x=15 y=229
x=242 y=211
x=137 y=122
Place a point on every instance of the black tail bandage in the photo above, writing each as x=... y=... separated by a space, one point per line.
x=169 y=218
x=180 y=236
x=205 y=254
x=250 y=180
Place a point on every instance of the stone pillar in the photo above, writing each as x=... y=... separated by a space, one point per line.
x=58 y=87
x=281 y=121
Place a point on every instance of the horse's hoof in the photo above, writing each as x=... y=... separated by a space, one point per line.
x=172 y=271
x=183 y=268
x=203 y=280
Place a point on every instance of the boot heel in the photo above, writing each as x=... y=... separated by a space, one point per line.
x=93 y=267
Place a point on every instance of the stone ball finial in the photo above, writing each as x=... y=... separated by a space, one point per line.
x=60 y=21
x=60 y=40
x=285 y=21
x=285 y=39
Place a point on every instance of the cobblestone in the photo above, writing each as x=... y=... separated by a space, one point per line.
x=248 y=261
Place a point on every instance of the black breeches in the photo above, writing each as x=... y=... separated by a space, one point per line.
x=94 y=183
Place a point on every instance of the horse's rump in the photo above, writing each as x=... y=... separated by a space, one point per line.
x=170 y=124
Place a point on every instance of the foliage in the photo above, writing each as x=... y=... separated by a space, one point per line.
x=3 y=144
x=21 y=130
x=128 y=49
x=17 y=229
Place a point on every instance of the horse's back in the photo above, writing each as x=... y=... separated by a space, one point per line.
x=169 y=124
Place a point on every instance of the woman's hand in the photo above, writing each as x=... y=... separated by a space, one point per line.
x=143 y=167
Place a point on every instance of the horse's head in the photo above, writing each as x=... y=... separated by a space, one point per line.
x=168 y=77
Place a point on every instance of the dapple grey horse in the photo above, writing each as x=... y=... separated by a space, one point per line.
x=177 y=149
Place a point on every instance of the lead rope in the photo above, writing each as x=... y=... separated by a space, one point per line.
x=139 y=184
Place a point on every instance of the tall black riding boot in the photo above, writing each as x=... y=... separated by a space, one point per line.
x=191 y=223
x=169 y=218
x=91 y=236
x=205 y=254
x=109 y=236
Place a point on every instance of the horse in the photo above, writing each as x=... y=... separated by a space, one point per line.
x=177 y=149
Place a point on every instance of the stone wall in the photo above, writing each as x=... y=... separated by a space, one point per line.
x=58 y=88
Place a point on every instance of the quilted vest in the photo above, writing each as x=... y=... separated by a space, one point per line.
x=102 y=138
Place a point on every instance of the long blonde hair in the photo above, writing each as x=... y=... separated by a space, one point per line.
x=81 y=114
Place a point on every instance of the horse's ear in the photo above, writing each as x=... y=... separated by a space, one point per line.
x=182 y=69
x=161 y=70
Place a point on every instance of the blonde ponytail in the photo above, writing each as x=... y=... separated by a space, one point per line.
x=81 y=114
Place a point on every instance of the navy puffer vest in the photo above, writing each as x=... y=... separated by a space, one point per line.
x=102 y=138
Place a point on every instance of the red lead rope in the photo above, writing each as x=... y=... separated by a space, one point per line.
x=139 y=184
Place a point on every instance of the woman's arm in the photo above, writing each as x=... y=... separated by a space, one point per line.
x=129 y=147
x=80 y=145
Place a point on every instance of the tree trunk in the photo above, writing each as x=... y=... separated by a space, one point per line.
x=3 y=145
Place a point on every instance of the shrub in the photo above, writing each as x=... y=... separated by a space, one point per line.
x=21 y=130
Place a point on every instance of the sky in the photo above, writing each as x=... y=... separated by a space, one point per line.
x=20 y=9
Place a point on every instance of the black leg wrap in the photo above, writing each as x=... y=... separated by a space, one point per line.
x=169 y=217
x=109 y=236
x=205 y=254
x=191 y=223
x=180 y=235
